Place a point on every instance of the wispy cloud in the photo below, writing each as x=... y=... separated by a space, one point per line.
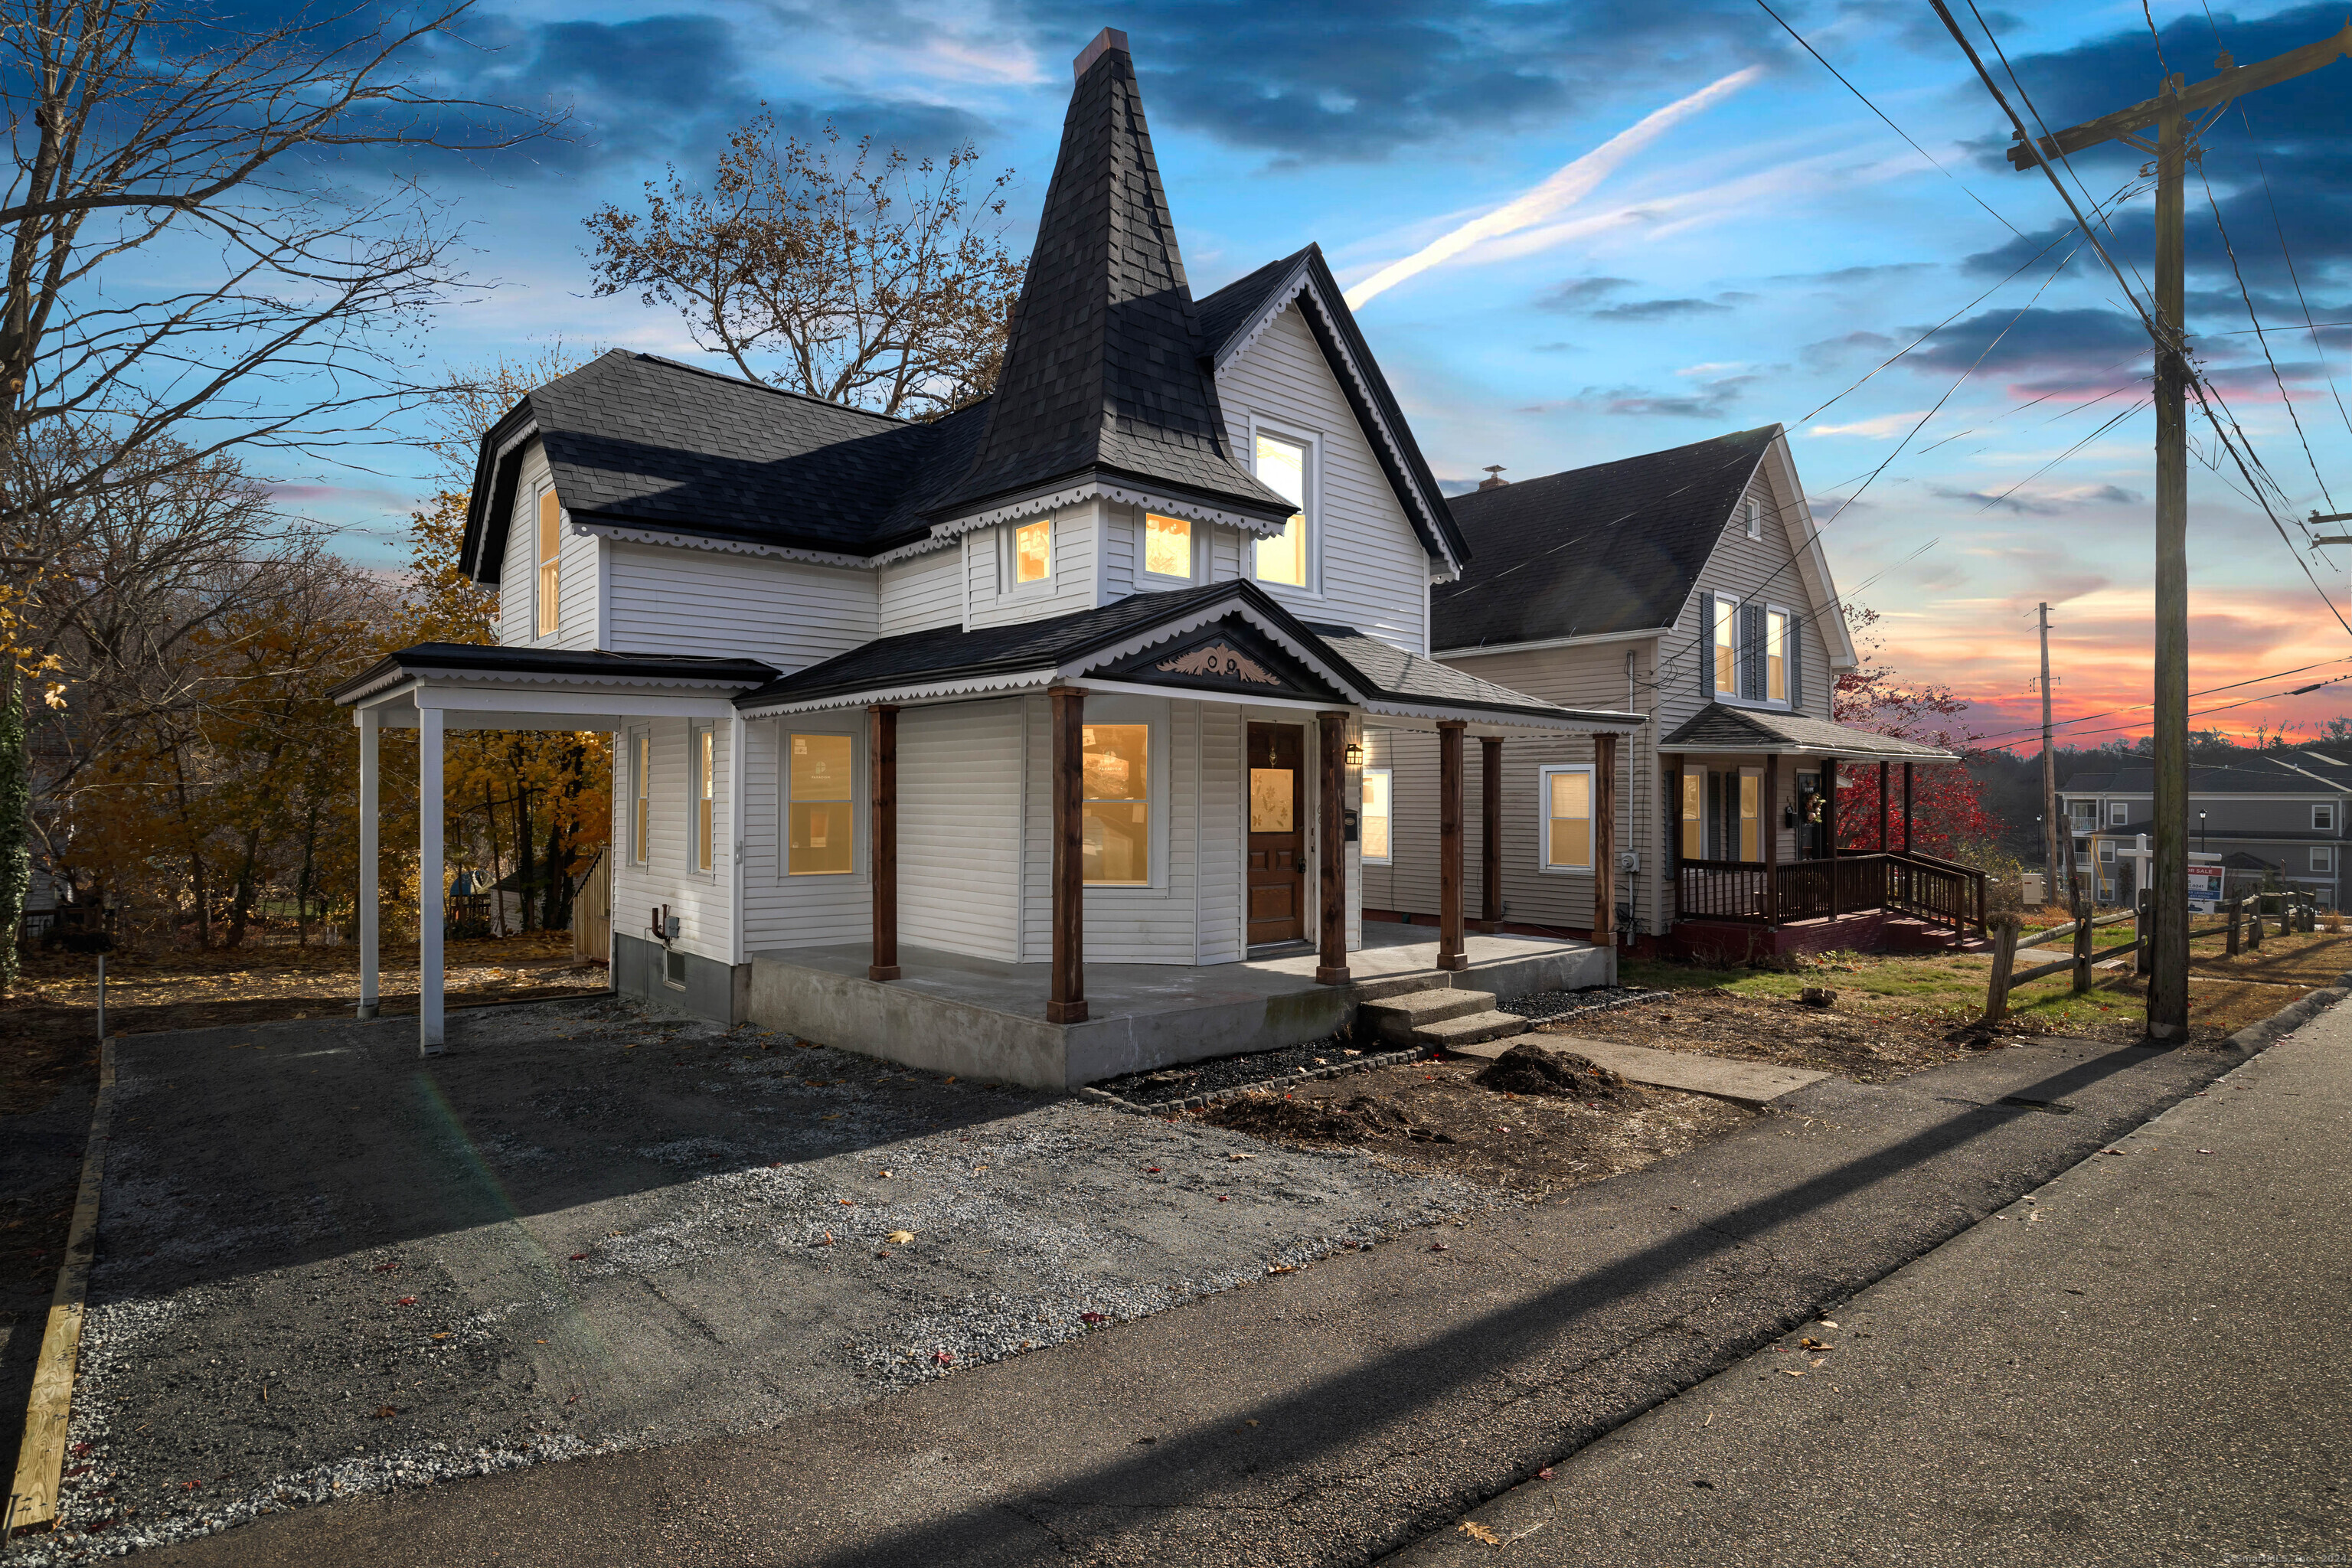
x=1567 y=186
x=1879 y=428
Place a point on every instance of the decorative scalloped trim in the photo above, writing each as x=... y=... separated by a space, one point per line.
x=1091 y=490
x=719 y=546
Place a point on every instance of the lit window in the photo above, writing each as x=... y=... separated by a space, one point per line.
x=705 y=814
x=1567 y=819
x=1754 y=520
x=1751 y=814
x=1167 y=546
x=822 y=816
x=1695 y=813
x=1033 y=552
x=551 y=572
x=1375 y=817
x=1281 y=465
x=641 y=821
x=1776 y=656
x=1726 y=646
x=1117 y=805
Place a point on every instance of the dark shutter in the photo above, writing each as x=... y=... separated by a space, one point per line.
x=1751 y=651
x=1707 y=648
x=1796 y=662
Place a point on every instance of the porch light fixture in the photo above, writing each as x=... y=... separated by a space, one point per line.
x=1353 y=755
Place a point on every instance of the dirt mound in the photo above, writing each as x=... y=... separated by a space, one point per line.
x=1527 y=1068
x=1295 y=1120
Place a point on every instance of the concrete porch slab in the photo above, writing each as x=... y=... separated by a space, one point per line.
x=1754 y=1084
x=981 y=1018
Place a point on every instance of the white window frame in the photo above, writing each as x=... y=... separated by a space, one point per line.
x=2082 y=815
x=1152 y=712
x=539 y=609
x=2118 y=813
x=861 y=852
x=1009 y=553
x=1543 y=820
x=1755 y=517
x=1788 y=656
x=1311 y=512
x=2322 y=859
x=1148 y=578
x=1388 y=776
x=1727 y=612
x=694 y=867
x=640 y=743
x=2106 y=851
x=2323 y=818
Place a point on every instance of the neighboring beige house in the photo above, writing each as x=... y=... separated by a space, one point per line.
x=1690 y=586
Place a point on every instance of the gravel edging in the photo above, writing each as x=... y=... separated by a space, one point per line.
x=1538 y=1007
x=2254 y=1036
x=1210 y=1097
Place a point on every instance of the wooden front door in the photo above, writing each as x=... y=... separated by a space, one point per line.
x=1278 y=833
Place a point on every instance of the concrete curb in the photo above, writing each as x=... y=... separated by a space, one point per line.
x=2254 y=1036
x=1300 y=1075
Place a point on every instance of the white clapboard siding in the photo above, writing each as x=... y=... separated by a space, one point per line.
x=1072 y=584
x=1222 y=813
x=960 y=808
x=922 y=591
x=518 y=571
x=1123 y=925
x=575 y=598
x=1122 y=550
x=787 y=614
x=783 y=912
x=702 y=901
x=1375 y=570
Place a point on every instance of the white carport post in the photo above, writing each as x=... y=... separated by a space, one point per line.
x=366 y=719
x=429 y=1038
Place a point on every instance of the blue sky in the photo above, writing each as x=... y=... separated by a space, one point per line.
x=1739 y=268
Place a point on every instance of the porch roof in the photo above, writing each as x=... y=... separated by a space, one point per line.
x=485 y=687
x=1721 y=728
x=1085 y=646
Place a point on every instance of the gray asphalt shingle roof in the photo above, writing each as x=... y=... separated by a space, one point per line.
x=1612 y=548
x=1717 y=727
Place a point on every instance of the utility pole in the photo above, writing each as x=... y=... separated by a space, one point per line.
x=2169 y=111
x=2050 y=835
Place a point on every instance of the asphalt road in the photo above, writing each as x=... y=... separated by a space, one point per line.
x=1326 y=1415
x=2147 y=1361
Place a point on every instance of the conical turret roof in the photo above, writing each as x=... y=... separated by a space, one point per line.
x=1103 y=373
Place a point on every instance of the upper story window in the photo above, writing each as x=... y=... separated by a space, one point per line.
x=1776 y=656
x=2107 y=850
x=1377 y=814
x=1167 y=546
x=641 y=780
x=2085 y=814
x=1724 y=641
x=1033 y=552
x=2323 y=857
x=1284 y=465
x=1117 y=811
x=703 y=756
x=2323 y=818
x=550 y=565
x=1755 y=519
x=821 y=815
x=2118 y=813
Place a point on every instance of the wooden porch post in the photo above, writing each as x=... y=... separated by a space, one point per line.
x=1065 y=1000
x=1490 y=829
x=1331 y=744
x=882 y=781
x=429 y=890
x=1451 y=953
x=1906 y=809
x=1674 y=843
x=1772 y=841
x=1830 y=827
x=1884 y=804
x=1604 y=840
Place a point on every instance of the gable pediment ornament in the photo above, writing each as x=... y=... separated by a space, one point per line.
x=1219 y=660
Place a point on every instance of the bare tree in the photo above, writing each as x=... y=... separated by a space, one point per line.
x=860 y=278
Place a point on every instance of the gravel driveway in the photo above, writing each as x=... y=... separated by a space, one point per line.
x=327 y=1267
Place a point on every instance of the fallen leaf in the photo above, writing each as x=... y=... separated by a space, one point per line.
x=952 y=1080
x=2204 y=1151
x=1477 y=1531
x=901 y=1237
x=1281 y=1269
x=578 y=1257
x=1224 y=1200
x=885 y=1176
x=385 y=1267
x=1794 y=1370
x=1827 y=1324
x=845 y=1203
x=1437 y=1247
x=405 y=1301
x=827 y=1242
x=1090 y=1317
x=442 y=1335
x=1241 y=1156
x=1150 y=1170
x=1812 y=1344
x=1544 y=1474
x=386 y=1411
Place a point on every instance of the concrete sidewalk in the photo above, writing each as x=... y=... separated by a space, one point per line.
x=1329 y=1414
x=2147 y=1361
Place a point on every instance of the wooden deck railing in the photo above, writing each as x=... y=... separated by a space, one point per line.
x=1926 y=886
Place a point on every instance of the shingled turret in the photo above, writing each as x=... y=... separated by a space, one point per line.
x=1103 y=374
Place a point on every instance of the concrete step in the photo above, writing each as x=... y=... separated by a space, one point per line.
x=1479 y=1029
x=1397 y=1020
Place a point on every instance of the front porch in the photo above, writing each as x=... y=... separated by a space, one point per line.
x=945 y=1012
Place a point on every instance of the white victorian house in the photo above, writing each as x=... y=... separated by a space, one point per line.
x=1027 y=741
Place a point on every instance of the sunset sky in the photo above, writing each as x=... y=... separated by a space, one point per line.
x=1741 y=241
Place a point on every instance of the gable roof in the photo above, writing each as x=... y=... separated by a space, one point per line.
x=1229 y=315
x=2263 y=775
x=1615 y=547
x=1718 y=727
x=1102 y=370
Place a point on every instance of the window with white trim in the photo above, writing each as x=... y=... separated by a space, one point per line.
x=2085 y=814
x=2106 y=851
x=1376 y=816
x=641 y=791
x=1775 y=655
x=1750 y=814
x=2323 y=818
x=550 y=565
x=1117 y=846
x=820 y=804
x=1167 y=546
x=1754 y=520
x=1567 y=796
x=702 y=763
x=1285 y=465
x=2118 y=813
x=2323 y=857
x=1694 y=814
x=1033 y=553
x=1723 y=640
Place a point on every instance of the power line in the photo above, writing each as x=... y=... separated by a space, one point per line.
x=2247 y=295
